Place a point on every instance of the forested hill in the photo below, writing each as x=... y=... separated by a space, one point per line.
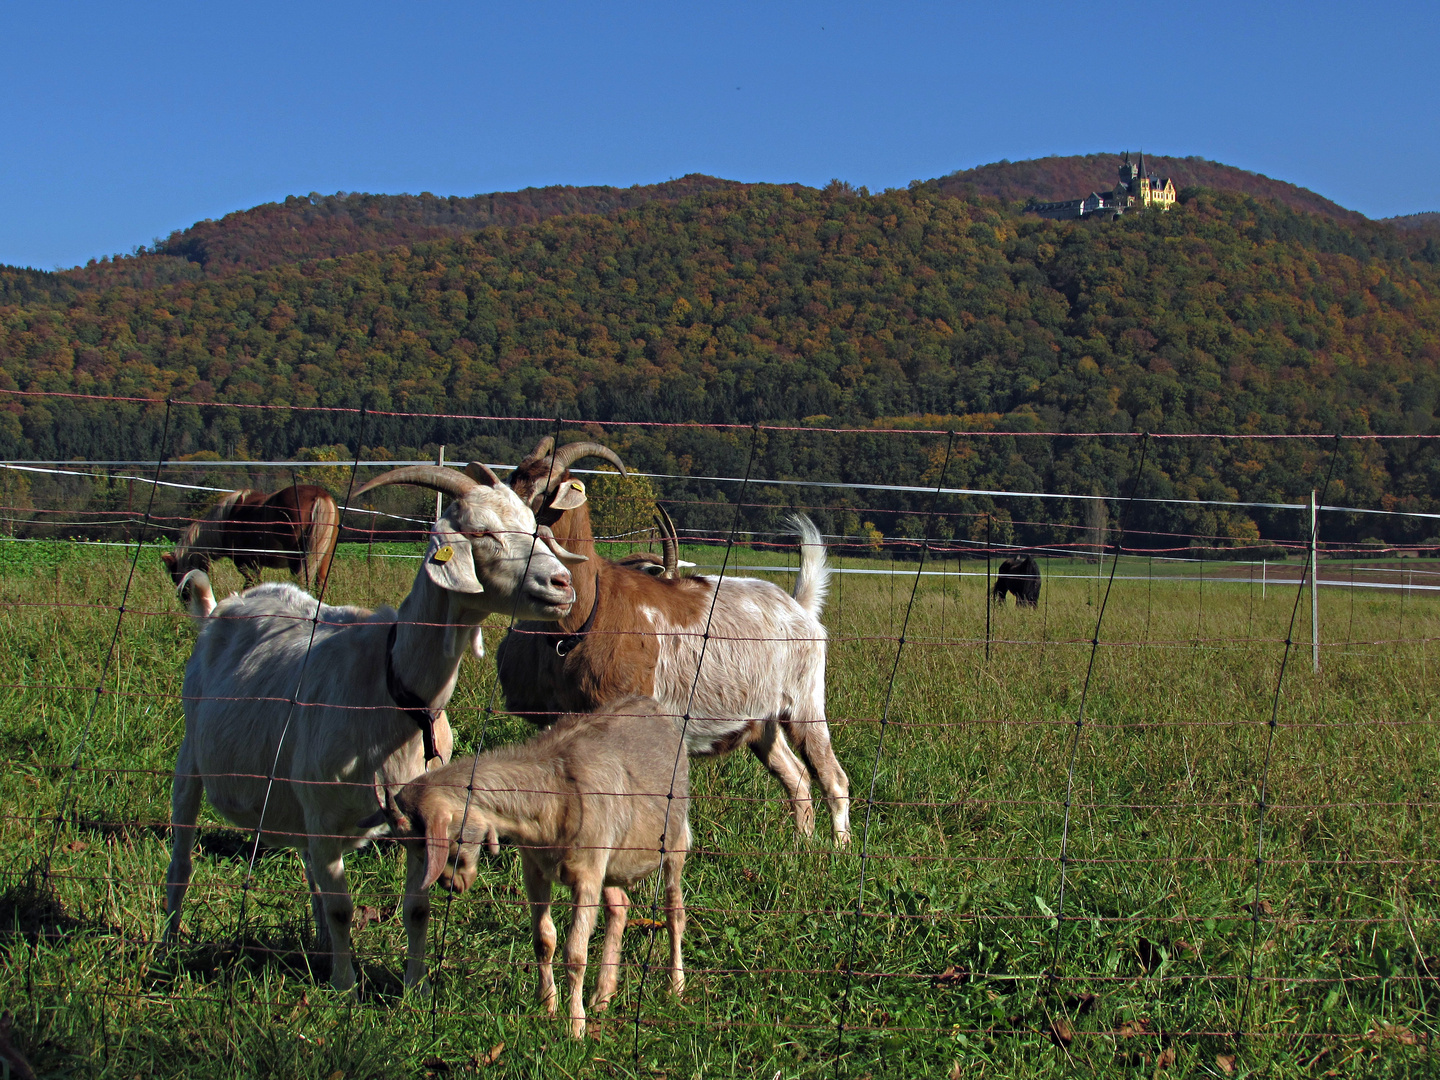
x=1078 y=175
x=1426 y=223
x=907 y=308
x=328 y=226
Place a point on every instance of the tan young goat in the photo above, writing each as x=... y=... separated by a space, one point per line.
x=597 y=801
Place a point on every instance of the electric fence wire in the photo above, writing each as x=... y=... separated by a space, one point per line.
x=1261 y=804
x=684 y=729
x=843 y=1010
x=1080 y=722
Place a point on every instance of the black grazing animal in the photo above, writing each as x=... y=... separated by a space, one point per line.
x=1019 y=577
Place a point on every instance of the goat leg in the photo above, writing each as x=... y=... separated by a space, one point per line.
x=327 y=864
x=774 y=752
x=577 y=944
x=184 y=812
x=416 y=914
x=317 y=907
x=812 y=739
x=542 y=929
x=675 y=917
x=617 y=905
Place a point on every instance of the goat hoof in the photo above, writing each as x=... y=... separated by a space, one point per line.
x=577 y=1029
x=344 y=982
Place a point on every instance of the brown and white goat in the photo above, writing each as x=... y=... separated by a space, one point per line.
x=744 y=660
x=596 y=802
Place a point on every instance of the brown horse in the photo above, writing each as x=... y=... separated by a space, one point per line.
x=296 y=529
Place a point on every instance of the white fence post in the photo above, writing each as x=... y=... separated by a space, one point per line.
x=439 y=498
x=1314 y=581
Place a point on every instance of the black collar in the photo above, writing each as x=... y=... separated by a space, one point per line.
x=409 y=702
x=565 y=643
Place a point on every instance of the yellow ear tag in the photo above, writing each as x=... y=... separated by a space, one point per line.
x=578 y=485
x=443 y=554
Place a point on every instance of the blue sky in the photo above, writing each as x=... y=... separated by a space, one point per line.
x=122 y=122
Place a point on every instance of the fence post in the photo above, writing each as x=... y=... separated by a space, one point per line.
x=1263 y=564
x=989 y=520
x=1314 y=592
x=439 y=497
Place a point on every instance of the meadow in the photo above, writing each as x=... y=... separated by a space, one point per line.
x=958 y=958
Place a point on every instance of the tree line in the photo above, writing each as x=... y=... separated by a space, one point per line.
x=811 y=308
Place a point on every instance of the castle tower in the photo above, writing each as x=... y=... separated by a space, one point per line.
x=1128 y=173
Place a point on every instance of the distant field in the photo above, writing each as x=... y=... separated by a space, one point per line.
x=957 y=958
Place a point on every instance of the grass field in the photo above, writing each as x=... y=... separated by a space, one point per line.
x=957 y=964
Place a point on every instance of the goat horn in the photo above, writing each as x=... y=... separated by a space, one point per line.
x=482 y=473
x=435 y=477
x=543 y=447
x=572 y=452
x=669 y=542
x=556 y=547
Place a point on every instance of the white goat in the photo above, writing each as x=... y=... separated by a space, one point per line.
x=300 y=716
x=596 y=802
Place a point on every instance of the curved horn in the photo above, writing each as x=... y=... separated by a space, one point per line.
x=482 y=473
x=435 y=477
x=572 y=452
x=543 y=447
x=669 y=542
x=556 y=547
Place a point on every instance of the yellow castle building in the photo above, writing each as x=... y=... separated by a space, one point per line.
x=1137 y=190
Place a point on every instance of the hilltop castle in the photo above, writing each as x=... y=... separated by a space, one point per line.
x=1137 y=190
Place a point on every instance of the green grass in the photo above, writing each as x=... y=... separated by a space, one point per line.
x=954 y=954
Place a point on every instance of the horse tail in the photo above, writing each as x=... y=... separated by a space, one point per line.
x=221 y=510
x=321 y=535
x=196 y=594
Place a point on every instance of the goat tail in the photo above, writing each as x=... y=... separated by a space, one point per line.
x=813 y=584
x=196 y=594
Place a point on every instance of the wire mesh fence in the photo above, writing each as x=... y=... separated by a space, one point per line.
x=1179 y=814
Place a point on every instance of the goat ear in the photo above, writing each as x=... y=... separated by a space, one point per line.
x=569 y=496
x=168 y=558
x=437 y=845
x=450 y=563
